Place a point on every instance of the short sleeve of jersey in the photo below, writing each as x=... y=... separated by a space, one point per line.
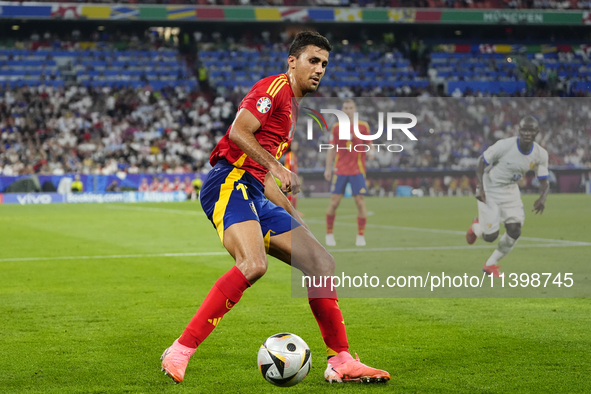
x=543 y=165
x=493 y=153
x=259 y=103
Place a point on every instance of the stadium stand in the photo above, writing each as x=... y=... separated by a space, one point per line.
x=366 y=71
x=102 y=111
x=476 y=4
x=93 y=67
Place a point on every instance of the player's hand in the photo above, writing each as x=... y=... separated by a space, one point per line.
x=480 y=196
x=289 y=181
x=539 y=206
x=327 y=174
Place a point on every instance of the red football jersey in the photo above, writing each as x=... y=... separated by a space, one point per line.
x=349 y=163
x=270 y=101
x=291 y=162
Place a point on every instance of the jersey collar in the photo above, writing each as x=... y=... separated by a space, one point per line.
x=522 y=152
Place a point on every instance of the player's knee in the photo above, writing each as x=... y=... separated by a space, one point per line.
x=328 y=265
x=514 y=231
x=253 y=270
x=490 y=237
x=325 y=264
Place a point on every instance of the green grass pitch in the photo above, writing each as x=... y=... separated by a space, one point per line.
x=90 y=296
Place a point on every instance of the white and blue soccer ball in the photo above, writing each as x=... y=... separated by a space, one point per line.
x=284 y=359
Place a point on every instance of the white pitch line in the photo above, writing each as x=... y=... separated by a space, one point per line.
x=361 y=249
x=116 y=256
x=370 y=213
x=454 y=232
x=461 y=247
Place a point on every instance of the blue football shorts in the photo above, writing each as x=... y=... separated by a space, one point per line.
x=339 y=183
x=231 y=195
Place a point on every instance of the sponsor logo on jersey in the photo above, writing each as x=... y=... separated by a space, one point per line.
x=532 y=165
x=264 y=105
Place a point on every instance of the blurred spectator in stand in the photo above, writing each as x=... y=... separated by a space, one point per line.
x=144 y=186
x=465 y=188
x=155 y=185
x=197 y=183
x=452 y=186
x=166 y=185
x=436 y=190
x=113 y=187
x=77 y=186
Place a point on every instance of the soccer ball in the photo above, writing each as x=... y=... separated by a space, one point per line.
x=284 y=359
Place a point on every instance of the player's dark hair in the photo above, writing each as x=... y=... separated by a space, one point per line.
x=305 y=38
x=529 y=120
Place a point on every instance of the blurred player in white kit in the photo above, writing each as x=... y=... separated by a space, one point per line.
x=500 y=168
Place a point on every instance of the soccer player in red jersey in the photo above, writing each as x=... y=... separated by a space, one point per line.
x=251 y=214
x=345 y=165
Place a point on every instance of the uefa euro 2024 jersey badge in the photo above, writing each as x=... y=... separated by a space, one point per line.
x=264 y=105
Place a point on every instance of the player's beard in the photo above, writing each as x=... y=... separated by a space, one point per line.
x=312 y=88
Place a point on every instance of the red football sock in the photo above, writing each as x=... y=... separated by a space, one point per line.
x=224 y=294
x=330 y=320
x=361 y=225
x=329 y=223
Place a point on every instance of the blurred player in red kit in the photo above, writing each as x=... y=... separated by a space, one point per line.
x=252 y=215
x=345 y=165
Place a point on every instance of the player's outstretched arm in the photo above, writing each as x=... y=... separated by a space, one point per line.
x=242 y=134
x=539 y=205
x=479 y=176
x=274 y=194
